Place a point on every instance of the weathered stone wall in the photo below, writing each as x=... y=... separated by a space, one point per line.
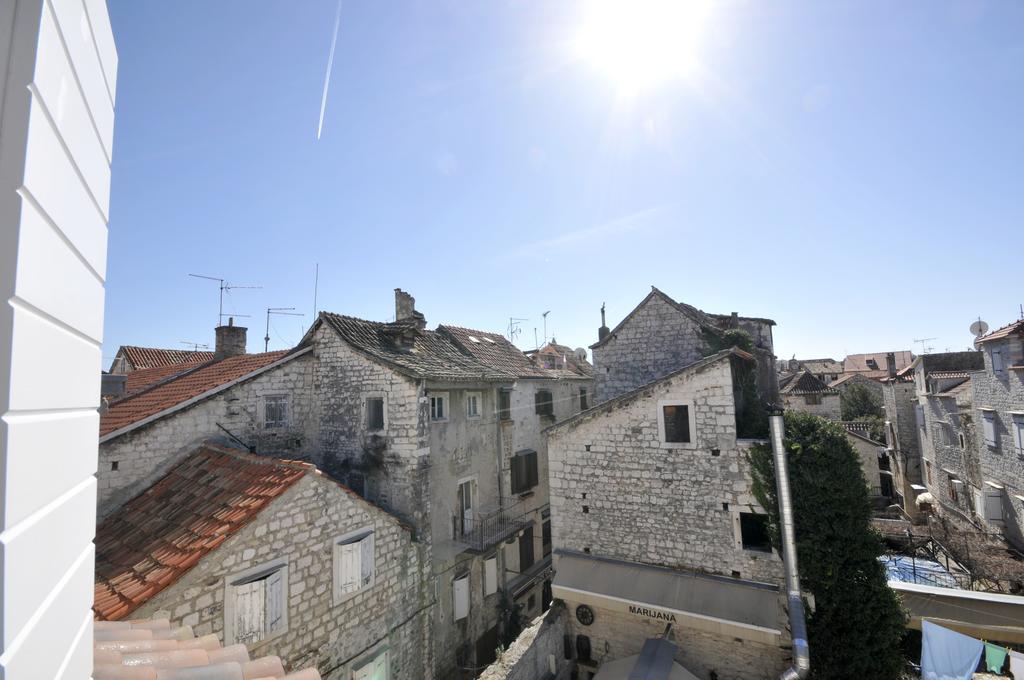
x=946 y=420
x=531 y=656
x=1003 y=464
x=615 y=635
x=617 y=491
x=829 y=407
x=868 y=454
x=301 y=525
x=655 y=341
x=143 y=455
x=899 y=399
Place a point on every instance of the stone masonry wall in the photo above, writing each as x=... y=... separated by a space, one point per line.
x=618 y=492
x=899 y=399
x=657 y=340
x=530 y=656
x=945 y=421
x=301 y=526
x=1004 y=463
x=828 y=408
x=143 y=455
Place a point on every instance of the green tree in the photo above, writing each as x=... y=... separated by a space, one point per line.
x=860 y=401
x=857 y=626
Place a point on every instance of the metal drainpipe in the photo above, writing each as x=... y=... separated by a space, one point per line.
x=797 y=622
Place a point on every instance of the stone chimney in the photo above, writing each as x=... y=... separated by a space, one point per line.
x=405 y=309
x=113 y=385
x=890 y=364
x=603 y=331
x=230 y=340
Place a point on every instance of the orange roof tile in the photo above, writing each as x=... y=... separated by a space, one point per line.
x=154 y=357
x=136 y=381
x=190 y=384
x=162 y=533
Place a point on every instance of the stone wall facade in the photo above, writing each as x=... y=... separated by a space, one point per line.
x=539 y=652
x=867 y=451
x=131 y=462
x=1001 y=396
x=824 y=404
x=949 y=452
x=301 y=527
x=899 y=401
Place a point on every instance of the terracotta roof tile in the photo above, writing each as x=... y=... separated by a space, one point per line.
x=160 y=534
x=1007 y=330
x=185 y=386
x=136 y=381
x=804 y=382
x=154 y=357
x=859 y=363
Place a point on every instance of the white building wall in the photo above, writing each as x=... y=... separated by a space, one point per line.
x=57 y=71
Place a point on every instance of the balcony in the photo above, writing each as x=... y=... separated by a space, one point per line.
x=489 y=527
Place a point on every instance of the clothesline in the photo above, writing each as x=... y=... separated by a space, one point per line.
x=948 y=655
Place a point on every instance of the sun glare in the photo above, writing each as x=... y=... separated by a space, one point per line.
x=640 y=44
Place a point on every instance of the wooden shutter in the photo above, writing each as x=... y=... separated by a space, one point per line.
x=351 y=567
x=460 y=594
x=249 y=611
x=993 y=506
x=275 y=601
x=989 y=420
x=490 y=576
x=366 y=562
x=531 y=469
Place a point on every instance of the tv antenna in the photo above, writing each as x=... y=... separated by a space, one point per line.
x=924 y=347
x=545 y=315
x=194 y=345
x=224 y=286
x=513 y=328
x=282 y=311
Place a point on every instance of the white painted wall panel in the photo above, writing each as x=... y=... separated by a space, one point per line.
x=45 y=453
x=77 y=35
x=58 y=67
x=43 y=255
x=59 y=97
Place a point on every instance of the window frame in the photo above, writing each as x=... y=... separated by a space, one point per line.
x=479 y=401
x=692 y=417
x=384 y=411
x=812 y=399
x=988 y=419
x=504 y=413
x=445 y=403
x=371 y=659
x=996 y=357
x=1017 y=425
x=348 y=538
x=740 y=541
x=992 y=492
x=246 y=576
x=455 y=596
x=286 y=400
x=490 y=575
x=542 y=407
x=584 y=398
x=522 y=458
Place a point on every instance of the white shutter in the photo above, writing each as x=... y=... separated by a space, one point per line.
x=993 y=506
x=491 y=576
x=249 y=611
x=1018 y=433
x=989 y=420
x=350 y=567
x=997 y=361
x=919 y=415
x=275 y=601
x=460 y=592
x=366 y=561
x=380 y=667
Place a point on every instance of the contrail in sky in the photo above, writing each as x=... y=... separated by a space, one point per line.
x=327 y=76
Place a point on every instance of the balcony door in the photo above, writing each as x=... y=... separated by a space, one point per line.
x=467 y=491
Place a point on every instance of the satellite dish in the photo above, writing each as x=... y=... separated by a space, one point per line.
x=580 y=353
x=979 y=328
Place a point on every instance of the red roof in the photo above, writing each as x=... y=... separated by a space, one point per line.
x=188 y=385
x=1007 y=330
x=136 y=381
x=159 y=535
x=154 y=357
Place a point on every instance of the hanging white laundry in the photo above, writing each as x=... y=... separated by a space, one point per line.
x=948 y=655
x=1017 y=665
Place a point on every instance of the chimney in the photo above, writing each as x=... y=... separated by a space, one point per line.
x=890 y=364
x=230 y=340
x=405 y=309
x=603 y=331
x=113 y=385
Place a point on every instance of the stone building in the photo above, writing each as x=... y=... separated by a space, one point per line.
x=130 y=358
x=848 y=380
x=273 y=555
x=654 y=522
x=661 y=335
x=875 y=366
x=870 y=452
x=551 y=385
x=825 y=370
x=997 y=393
x=261 y=401
x=804 y=392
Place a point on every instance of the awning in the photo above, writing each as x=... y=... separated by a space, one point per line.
x=723 y=606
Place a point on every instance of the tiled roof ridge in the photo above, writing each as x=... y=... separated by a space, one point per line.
x=160 y=383
x=806 y=382
x=137 y=354
x=1002 y=331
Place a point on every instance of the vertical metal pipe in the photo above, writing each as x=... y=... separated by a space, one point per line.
x=797 y=621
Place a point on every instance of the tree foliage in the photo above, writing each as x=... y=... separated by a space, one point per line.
x=860 y=401
x=858 y=622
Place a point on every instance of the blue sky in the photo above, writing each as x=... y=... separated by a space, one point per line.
x=852 y=170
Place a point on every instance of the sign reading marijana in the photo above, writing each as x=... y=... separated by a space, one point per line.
x=652 y=613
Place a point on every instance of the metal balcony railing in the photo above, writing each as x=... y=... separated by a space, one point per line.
x=491 y=526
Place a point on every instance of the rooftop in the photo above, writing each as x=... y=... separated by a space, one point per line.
x=858 y=363
x=155 y=357
x=804 y=382
x=163 y=532
x=1017 y=327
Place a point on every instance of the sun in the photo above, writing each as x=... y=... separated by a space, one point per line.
x=641 y=44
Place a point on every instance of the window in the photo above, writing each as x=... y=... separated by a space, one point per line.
x=544 y=404
x=275 y=411
x=545 y=529
x=675 y=425
x=754 y=532
x=504 y=405
x=466 y=497
x=928 y=473
x=1017 y=425
x=963 y=442
x=460 y=597
x=439 y=406
x=954 y=491
x=472 y=404
x=524 y=471
x=812 y=399
x=353 y=564
x=989 y=424
x=919 y=415
x=376 y=668
x=256 y=604
x=997 y=361
x=526 y=549
x=375 y=413
x=993 y=505
x=584 y=404
x=490 y=576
